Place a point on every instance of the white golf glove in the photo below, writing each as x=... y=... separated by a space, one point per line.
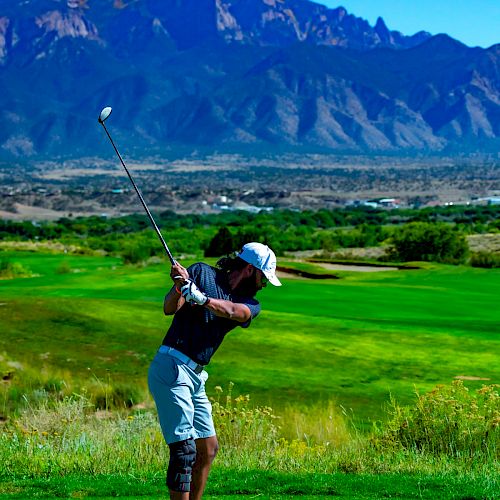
x=193 y=294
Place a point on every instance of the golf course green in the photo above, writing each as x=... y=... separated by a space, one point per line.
x=338 y=361
x=353 y=341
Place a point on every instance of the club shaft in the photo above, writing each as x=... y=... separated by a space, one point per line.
x=165 y=246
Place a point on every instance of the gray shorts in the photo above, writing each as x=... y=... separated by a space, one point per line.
x=183 y=407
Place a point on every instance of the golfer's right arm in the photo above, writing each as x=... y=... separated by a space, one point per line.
x=173 y=301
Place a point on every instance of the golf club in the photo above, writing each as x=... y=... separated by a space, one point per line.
x=102 y=118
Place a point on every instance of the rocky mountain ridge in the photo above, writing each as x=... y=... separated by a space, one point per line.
x=235 y=75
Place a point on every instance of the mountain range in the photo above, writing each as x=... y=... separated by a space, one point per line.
x=235 y=76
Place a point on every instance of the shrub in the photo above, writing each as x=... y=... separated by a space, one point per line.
x=424 y=241
x=63 y=268
x=9 y=270
x=449 y=420
x=485 y=259
x=133 y=254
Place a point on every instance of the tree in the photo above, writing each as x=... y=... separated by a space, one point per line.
x=425 y=241
x=221 y=244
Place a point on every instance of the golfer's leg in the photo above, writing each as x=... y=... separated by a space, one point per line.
x=206 y=440
x=178 y=495
x=172 y=395
x=182 y=414
x=206 y=449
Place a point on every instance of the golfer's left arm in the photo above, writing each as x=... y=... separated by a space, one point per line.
x=235 y=311
x=227 y=309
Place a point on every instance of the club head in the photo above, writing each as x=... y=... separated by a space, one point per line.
x=104 y=114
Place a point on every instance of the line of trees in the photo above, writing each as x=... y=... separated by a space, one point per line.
x=436 y=234
x=473 y=219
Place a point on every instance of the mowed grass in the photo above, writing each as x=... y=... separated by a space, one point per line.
x=227 y=483
x=360 y=338
x=354 y=341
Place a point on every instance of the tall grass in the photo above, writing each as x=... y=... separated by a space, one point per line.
x=447 y=431
x=22 y=384
x=70 y=436
x=449 y=420
x=11 y=270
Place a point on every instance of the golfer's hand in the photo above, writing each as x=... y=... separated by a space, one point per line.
x=179 y=275
x=193 y=294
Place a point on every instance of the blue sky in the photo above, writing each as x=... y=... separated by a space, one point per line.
x=473 y=22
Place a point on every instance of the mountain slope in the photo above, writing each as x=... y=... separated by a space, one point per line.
x=235 y=75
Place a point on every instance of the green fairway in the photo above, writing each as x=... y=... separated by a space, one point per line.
x=354 y=340
x=233 y=484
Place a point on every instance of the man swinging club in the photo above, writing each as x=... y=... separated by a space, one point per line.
x=207 y=303
x=223 y=298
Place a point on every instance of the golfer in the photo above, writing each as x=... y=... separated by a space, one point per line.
x=207 y=303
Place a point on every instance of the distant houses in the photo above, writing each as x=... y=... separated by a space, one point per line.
x=397 y=203
x=376 y=203
x=492 y=200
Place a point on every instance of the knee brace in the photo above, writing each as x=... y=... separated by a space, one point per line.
x=180 y=467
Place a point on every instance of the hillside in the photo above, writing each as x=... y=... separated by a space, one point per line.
x=235 y=75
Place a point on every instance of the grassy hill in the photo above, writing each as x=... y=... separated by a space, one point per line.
x=86 y=327
x=353 y=341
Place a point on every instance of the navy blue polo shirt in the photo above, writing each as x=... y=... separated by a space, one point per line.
x=198 y=332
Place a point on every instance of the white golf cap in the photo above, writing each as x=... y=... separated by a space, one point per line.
x=263 y=258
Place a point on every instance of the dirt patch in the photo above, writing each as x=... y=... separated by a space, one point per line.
x=47 y=246
x=469 y=377
x=27 y=212
x=357 y=267
x=285 y=272
x=345 y=254
x=366 y=253
x=484 y=242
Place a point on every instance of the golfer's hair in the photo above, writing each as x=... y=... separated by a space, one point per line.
x=231 y=263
